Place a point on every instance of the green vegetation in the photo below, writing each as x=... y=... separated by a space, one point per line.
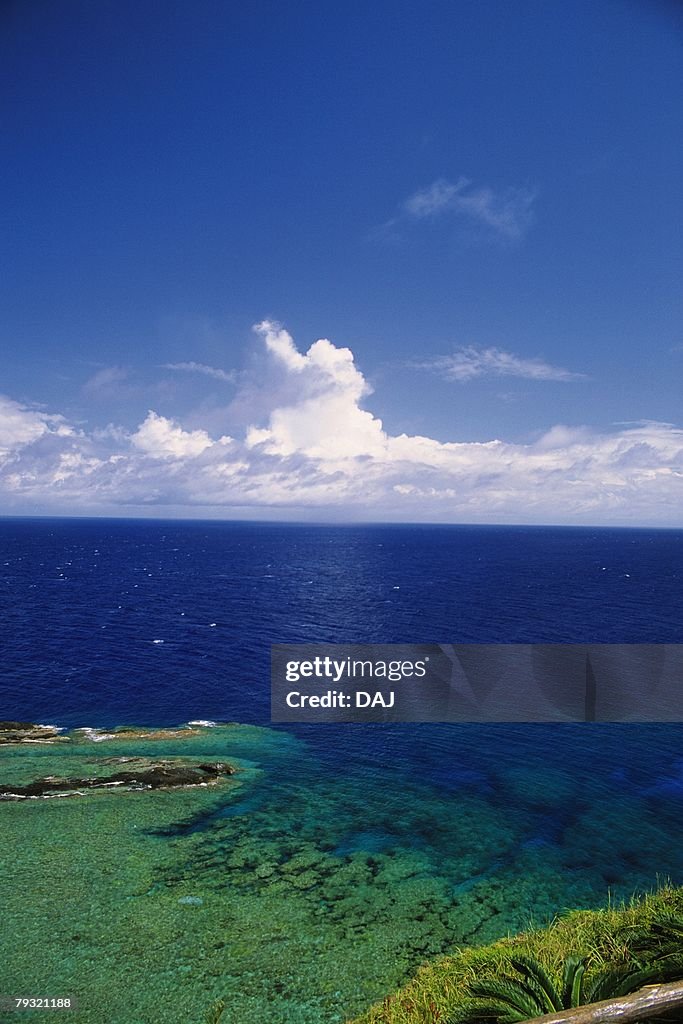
x=582 y=956
x=533 y=992
x=215 y=1014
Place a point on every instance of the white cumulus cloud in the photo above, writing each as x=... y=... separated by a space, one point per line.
x=326 y=420
x=21 y=425
x=163 y=439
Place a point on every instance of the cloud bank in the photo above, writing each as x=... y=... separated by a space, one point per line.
x=319 y=452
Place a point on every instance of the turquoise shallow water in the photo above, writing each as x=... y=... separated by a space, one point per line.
x=309 y=885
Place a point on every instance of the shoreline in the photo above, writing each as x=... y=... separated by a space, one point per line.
x=15 y=733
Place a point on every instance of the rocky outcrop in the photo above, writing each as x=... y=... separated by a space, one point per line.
x=28 y=732
x=138 y=774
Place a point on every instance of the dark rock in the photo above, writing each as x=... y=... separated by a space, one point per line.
x=218 y=768
x=147 y=775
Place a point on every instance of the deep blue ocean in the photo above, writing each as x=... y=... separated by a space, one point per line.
x=85 y=603
x=420 y=836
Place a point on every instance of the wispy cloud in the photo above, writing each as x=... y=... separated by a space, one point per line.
x=108 y=380
x=229 y=376
x=507 y=212
x=470 y=362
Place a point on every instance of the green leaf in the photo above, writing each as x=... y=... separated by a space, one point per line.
x=572 y=981
x=534 y=971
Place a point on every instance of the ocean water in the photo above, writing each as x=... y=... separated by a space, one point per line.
x=343 y=856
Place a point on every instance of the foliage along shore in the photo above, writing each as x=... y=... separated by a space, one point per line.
x=440 y=989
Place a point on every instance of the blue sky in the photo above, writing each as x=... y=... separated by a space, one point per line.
x=478 y=204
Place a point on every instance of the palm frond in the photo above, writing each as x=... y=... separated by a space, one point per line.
x=509 y=993
x=538 y=978
x=572 y=981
